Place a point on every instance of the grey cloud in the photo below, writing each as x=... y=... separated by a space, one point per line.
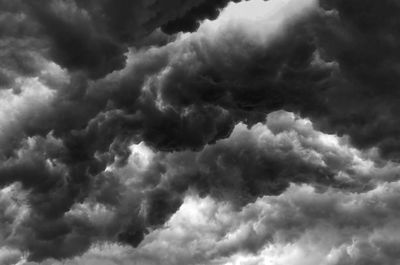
x=93 y=36
x=183 y=96
x=300 y=226
x=145 y=193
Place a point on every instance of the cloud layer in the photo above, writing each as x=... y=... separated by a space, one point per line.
x=118 y=119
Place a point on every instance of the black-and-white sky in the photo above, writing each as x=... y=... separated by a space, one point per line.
x=199 y=132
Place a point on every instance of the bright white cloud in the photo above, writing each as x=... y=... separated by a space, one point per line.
x=255 y=22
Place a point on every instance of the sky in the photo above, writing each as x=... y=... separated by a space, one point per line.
x=199 y=132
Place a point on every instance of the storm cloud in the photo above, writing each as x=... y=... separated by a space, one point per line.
x=119 y=118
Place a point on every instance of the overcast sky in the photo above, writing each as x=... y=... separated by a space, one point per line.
x=199 y=132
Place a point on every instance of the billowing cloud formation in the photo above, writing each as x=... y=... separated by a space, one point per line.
x=108 y=121
x=301 y=226
x=89 y=36
x=125 y=203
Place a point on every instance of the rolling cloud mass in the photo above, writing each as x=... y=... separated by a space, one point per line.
x=199 y=132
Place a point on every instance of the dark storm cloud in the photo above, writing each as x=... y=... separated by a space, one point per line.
x=339 y=67
x=94 y=37
x=251 y=163
x=136 y=115
x=270 y=80
x=75 y=43
x=361 y=37
x=181 y=96
x=264 y=80
x=94 y=122
x=264 y=159
x=53 y=183
x=88 y=36
x=184 y=123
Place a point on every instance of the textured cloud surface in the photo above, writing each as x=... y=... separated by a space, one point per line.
x=199 y=132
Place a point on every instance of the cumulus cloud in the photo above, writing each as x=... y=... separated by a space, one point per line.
x=300 y=226
x=125 y=204
x=110 y=117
